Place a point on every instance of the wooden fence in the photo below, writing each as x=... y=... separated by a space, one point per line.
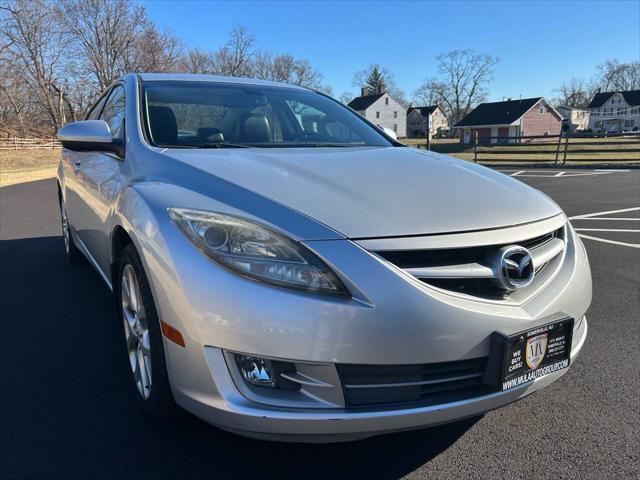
x=15 y=143
x=556 y=149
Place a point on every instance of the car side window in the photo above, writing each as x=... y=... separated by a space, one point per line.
x=113 y=112
x=95 y=111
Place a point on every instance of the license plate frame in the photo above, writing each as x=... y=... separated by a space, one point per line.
x=516 y=357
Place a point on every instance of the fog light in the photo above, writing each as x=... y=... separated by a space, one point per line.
x=256 y=371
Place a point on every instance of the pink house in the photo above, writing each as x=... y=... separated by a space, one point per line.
x=512 y=118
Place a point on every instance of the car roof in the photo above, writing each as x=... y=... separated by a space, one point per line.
x=192 y=77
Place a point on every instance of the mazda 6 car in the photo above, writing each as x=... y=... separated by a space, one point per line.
x=285 y=269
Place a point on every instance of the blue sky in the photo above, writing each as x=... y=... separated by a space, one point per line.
x=539 y=43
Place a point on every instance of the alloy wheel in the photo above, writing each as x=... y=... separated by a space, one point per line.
x=136 y=330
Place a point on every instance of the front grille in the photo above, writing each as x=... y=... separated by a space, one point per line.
x=409 y=385
x=481 y=285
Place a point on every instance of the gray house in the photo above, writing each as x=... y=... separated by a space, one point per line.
x=418 y=119
x=381 y=109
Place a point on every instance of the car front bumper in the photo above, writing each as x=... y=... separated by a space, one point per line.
x=233 y=412
x=392 y=319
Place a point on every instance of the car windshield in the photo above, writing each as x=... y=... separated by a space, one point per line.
x=190 y=114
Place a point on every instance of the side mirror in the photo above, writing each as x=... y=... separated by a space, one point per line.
x=388 y=132
x=90 y=135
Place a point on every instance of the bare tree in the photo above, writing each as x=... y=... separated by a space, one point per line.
x=56 y=56
x=346 y=97
x=14 y=106
x=234 y=59
x=426 y=94
x=154 y=51
x=574 y=93
x=33 y=51
x=461 y=85
x=288 y=69
x=104 y=32
x=197 y=61
x=616 y=76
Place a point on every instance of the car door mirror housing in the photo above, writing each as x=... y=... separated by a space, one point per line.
x=90 y=135
x=389 y=132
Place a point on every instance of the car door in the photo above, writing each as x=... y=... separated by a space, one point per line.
x=96 y=177
x=72 y=160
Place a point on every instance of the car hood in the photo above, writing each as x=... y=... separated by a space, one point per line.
x=371 y=192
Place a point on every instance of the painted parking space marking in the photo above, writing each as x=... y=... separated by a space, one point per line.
x=595 y=216
x=539 y=173
x=621 y=230
x=605 y=240
x=610 y=219
x=608 y=212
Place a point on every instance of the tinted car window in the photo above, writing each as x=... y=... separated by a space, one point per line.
x=94 y=114
x=192 y=114
x=113 y=112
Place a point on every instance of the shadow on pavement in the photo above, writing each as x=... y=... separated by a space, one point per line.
x=68 y=409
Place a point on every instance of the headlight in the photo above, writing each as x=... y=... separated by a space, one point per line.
x=256 y=251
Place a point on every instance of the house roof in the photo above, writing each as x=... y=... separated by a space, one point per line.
x=498 y=113
x=424 y=111
x=362 y=103
x=632 y=97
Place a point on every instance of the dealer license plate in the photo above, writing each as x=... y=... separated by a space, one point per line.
x=535 y=353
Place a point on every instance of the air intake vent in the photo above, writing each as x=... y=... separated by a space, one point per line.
x=409 y=385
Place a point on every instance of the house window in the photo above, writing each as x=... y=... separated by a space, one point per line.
x=377 y=114
x=395 y=127
x=386 y=100
x=395 y=114
x=628 y=123
x=541 y=109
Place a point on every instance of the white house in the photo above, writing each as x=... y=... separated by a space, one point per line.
x=575 y=118
x=418 y=118
x=615 y=112
x=381 y=109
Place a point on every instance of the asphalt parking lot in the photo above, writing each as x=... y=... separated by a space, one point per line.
x=67 y=409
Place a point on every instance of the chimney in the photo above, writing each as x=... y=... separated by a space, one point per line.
x=366 y=91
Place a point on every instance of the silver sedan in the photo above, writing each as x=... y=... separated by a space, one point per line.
x=285 y=269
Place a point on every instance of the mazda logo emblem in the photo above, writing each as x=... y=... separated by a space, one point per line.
x=516 y=267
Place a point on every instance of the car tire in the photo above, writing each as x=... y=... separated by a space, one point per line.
x=73 y=254
x=143 y=338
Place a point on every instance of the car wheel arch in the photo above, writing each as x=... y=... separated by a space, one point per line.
x=120 y=238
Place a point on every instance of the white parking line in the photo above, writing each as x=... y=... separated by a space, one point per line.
x=609 y=219
x=563 y=175
x=544 y=173
x=607 y=230
x=597 y=214
x=604 y=240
